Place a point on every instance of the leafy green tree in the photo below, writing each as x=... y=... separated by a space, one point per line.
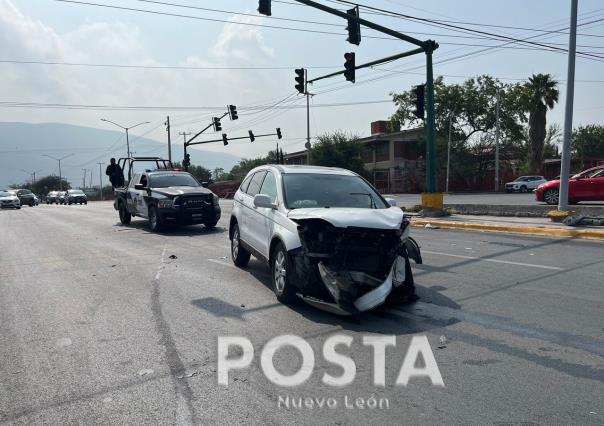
x=471 y=106
x=46 y=184
x=588 y=142
x=242 y=168
x=338 y=149
x=541 y=94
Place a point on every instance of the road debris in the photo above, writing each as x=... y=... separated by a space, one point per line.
x=173 y=256
x=145 y=372
x=442 y=342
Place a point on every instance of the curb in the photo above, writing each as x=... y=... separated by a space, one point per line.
x=587 y=234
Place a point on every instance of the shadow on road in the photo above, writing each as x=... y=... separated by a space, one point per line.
x=171 y=230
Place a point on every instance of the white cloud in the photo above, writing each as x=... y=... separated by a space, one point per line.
x=241 y=42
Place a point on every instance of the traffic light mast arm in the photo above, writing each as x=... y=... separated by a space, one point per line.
x=232 y=139
x=187 y=143
x=372 y=63
x=368 y=24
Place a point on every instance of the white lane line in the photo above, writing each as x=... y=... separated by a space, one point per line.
x=505 y=262
x=220 y=262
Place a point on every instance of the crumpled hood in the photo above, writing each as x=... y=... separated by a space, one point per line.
x=183 y=190
x=390 y=218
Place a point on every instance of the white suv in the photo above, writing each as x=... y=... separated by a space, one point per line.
x=525 y=183
x=328 y=236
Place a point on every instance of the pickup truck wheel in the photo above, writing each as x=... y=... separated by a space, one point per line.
x=281 y=272
x=125 y=216
x=211 y=225
x=240 y=256
x=154 y=219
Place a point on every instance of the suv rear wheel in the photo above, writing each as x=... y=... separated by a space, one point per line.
x=240 y=256
x=281 y=272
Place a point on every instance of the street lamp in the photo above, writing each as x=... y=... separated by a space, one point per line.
x=126 y=129
x=59 y=160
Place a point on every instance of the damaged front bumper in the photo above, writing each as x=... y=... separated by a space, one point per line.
x=357 y=286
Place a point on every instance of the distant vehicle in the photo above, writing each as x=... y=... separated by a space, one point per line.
x=524 y=184
x=61 y=197
x=51 y=197
x=76 y=196
x=167 y=197
x=26 y=197
x=585 y=186
x=9 y=200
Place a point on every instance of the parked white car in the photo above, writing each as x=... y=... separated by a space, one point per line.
x=8 y=200
x=525 y=184
x=328 y=236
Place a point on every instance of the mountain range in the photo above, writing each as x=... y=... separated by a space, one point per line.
x=24 y=146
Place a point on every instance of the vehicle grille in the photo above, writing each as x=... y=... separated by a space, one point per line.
x=197 y=202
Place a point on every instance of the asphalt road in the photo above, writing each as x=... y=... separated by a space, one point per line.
x=107 y=324
x=519 y=199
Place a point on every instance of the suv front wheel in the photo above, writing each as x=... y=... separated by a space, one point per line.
x=281 y=272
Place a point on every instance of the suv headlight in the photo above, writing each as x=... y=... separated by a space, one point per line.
x=215 y=199
x=162 y=204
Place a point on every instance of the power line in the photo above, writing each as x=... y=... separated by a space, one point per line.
x=456 y=28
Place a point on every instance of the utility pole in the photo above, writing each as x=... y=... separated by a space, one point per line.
x=90 y=178
x=169 y=138
x=84 y=180
x=497 y=144
x=32 y=174
x=568 y=114
x=101 y=179
x=307 y=116
x=449 y=152
x=59 y=160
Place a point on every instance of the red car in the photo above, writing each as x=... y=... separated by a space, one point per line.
x=585 y=186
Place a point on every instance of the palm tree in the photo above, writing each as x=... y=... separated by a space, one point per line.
x=542 y=92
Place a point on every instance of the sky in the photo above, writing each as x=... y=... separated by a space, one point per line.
x=225 y=50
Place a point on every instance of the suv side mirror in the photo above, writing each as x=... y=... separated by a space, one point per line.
x=391 y=201
x=139 y=186
x=262 y=200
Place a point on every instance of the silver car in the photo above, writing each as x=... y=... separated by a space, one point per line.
x=327 y=235
x=9 y=200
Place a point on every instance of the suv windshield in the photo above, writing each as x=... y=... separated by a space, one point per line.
x=322 y=190
x=521 y=179
x=176 y=179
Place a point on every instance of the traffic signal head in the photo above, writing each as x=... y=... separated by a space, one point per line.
x=225 y=140
x=279 y=133
x=264 y=7
x=233 y=112
x=419 y=101
x=354 y=28
x=217 y=124
x=252 y=137
x=349 y=66
x=300 y=80
x=187 y=161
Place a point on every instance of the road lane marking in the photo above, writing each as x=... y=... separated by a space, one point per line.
x=220 y=262
x=505 y=262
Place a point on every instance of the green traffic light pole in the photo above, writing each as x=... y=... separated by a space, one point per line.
x=431 y=199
